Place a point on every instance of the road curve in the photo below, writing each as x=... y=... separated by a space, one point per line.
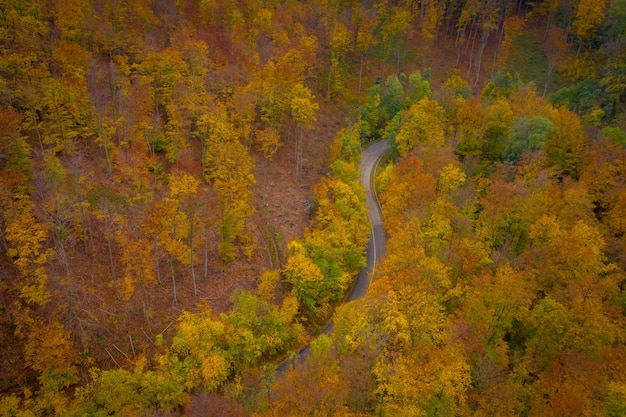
x=370 y=157
x=376 y=247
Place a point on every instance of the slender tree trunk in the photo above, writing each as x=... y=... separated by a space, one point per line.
x=3 y=239
x=330 y=72
x=83 y=220
x=497 y=49
x=63 y=255
x=144 y=305
x=295 y=155
x=479 y=57
x=361 y=72
x=206 y=253
x=203 y=156
x=34 y=117
x=191 y=254
x=437 y=28
x=81 y=208
x=6 y=309
x=107 y=229
x=171 y=261
x=472 y=34
x=460 y=35
x=548 y=75
x=398 y=65
x=157 y=112
x=301 y=152
x=90 y=234
x=445 y=34
x=156 y=261
x=548 y=25
x=471 y=57
x=265 y=163
x=105 y=145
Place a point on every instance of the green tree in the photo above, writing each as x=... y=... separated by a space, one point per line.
x=418 y=88
x=391 y=99
x=527 y=134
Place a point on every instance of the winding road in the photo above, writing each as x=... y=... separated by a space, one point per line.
x=370 y=157
x=376 y=248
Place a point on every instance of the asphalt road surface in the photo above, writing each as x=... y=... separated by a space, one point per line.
x=370 y=158
x=376 y=247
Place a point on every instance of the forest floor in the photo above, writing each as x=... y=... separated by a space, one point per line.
x=282 y=203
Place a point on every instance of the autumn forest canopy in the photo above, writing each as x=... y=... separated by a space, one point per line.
x=181 y=210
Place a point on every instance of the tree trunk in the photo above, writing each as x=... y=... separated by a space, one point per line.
x=32 y=114
x=361 y=72
x=301 y=151
x=206 y=253
x=105 y=145
x=171 y=261
x=156 y=259
x=83 y=220
x=471 y=57
x=479 y=57
x=107 y=229
x=458 y=47
x=497 y=50
x=191 y=254
x=548 y=75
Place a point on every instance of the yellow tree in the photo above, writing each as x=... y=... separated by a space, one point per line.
x=512 y=27
x=228 y=166
x=138 y=273
x=184 y=188
x=496 y=125
x=411 y=191
x=589 y=14
x=162 y=72
x=566 y=144
x=170 y=228
x=394 y=23
x=302 y=109
x=451 y=177
x=423 y=123
x=65 y=106
x=197 y=344
x=307 y=283
x=430 y=15
x=27 y=239
x=14 y=172
x=418 y=338
x=48 y=350
x=339 y=43
x=467 y=122
x=364 y=35
x=316 y=387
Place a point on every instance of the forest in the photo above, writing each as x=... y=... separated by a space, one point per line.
x=181 y=211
